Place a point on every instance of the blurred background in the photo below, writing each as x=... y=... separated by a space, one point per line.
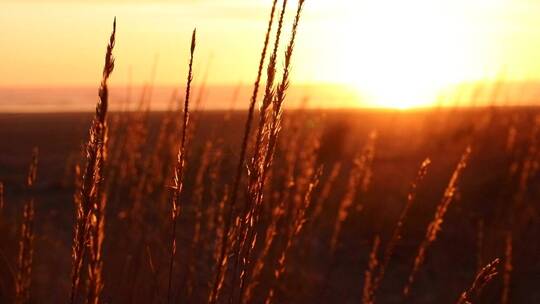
x=350 y=53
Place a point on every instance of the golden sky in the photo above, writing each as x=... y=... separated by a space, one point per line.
x=386 y=49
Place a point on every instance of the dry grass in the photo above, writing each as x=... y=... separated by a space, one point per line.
x=358 y=181
x=368 y=293
x=90 y=202
x=484 y=276
x=396 y=234
x=435 y=226
x=222 y=260
x=23 y=278
x=179 y=169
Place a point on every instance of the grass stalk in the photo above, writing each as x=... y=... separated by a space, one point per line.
x=179 y=170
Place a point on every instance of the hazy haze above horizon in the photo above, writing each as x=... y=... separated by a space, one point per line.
x=387 y=50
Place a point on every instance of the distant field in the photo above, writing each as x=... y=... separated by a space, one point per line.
x=213 y=97
x=473 y=232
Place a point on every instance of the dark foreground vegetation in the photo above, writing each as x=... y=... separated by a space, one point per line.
x=364 y=163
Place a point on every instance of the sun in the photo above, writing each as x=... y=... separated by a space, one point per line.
x=402 y=54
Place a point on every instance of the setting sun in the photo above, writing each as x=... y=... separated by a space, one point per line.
x=402 y=54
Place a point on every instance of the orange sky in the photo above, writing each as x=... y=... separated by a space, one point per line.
x=415 y=47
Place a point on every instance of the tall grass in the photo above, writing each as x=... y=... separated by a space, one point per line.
x=23 y=278
x=90 y=211
x=263 y=159
x=435 y=225
x=358 y=181
x=397 y=233
x=224 y=242
x=368 y=293
x=300 y=218
x=255 y=174
x=484 y=276
x=179 y=169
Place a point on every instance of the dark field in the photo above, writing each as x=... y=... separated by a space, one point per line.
x=493 y=214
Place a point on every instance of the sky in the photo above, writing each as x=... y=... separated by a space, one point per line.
x=391 y=52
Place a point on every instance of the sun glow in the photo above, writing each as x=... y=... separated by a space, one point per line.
x=402 y=54
x=392 y=53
